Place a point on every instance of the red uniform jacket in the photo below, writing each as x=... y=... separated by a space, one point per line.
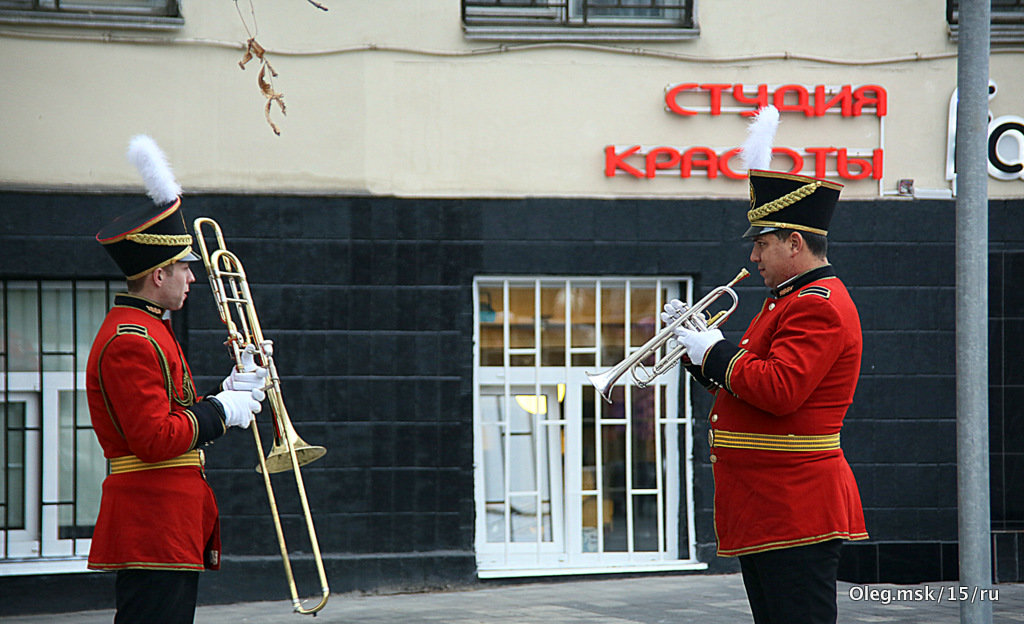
x=789 y=383
x=142 y=403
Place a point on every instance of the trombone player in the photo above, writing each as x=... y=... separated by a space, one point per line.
x=158 y=523
x=785 y=496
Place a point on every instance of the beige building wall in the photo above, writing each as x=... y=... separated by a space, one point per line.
x=390 y=97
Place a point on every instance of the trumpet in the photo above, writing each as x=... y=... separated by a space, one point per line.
x=248 y=346
x=693 y=319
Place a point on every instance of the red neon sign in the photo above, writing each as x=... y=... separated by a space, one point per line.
x=795 y=98
x=648 y=163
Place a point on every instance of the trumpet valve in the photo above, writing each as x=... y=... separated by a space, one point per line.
x=642 y=382
x=714 y=319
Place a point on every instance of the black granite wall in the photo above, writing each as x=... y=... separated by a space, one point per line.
x=369 y=303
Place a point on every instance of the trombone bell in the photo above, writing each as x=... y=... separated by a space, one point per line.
x=279 y=460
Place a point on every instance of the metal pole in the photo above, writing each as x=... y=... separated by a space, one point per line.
x=973 y=495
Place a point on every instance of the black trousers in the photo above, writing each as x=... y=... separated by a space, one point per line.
x=793 y=585
x=156 y=597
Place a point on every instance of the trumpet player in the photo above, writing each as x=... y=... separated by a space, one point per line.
x=785 y=497
x=158 y=524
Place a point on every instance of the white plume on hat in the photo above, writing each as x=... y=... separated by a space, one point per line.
x=145 y=154
x=756 y=152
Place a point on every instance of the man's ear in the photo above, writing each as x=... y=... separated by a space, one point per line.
x=796 y=242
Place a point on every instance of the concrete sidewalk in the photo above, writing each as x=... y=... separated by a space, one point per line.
x=707 y=599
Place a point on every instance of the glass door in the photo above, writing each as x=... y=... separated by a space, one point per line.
x=522 y=439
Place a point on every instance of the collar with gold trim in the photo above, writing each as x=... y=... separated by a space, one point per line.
x=797 y=282
x=125 y=300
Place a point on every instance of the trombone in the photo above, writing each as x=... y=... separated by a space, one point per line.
x=247 y=345
x=693 y=318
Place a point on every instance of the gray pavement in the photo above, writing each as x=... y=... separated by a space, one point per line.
x=707 y=599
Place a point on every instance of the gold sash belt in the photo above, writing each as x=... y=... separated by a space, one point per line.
x=770 y=442
x=131 y=463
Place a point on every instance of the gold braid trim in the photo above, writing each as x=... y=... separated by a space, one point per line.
x=131 y=463
x=772 y=442
x=188 y=392
x=170 y=240
x=786 y=200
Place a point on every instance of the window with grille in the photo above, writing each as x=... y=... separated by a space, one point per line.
x=53 y=467
x=594 y=20
x=565 y=482
x=150 y=14
x=1007 y=21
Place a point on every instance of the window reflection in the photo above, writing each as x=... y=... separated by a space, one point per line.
x=552 y=319
x=583 y=305
x=524 y=509
x=492 y=318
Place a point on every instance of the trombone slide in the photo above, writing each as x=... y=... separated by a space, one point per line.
x=246 y=342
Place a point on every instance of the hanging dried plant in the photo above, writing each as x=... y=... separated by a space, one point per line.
x=271 y=95
x=255 y=50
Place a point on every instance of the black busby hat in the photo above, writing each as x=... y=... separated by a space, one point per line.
x=782 y=200
x=786 y=201
x=153 y=236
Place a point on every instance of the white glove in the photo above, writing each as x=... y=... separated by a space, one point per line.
x=676 y=308
x=250 y=377
x=673 y=309
x=697 y=343
x=240 y=406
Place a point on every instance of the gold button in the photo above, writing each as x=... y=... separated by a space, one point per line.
x=771 y=306
x=745 y=341
x=714 y=458
x=714 y=418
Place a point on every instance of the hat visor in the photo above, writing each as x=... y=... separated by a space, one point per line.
x=190 y=256
x=756 y=230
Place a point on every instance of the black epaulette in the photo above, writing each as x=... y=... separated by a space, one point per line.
x=821 y=291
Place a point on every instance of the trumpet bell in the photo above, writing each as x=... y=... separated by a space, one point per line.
x=603 y=382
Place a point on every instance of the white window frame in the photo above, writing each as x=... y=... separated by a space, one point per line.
x=563 y=21
x=1007 y=23
x=24 y=542
x=128 y=14
x=564 y=553
x=38 y=548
